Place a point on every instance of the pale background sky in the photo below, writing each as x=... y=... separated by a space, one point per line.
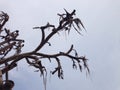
x=100 y=44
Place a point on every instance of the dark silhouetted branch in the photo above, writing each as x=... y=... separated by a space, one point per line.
x=11 y=44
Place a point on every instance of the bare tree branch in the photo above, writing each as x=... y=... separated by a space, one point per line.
x=10 y=43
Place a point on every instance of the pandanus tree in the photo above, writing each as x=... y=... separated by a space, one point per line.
x=11 y=48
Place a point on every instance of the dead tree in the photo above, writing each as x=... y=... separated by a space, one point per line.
x=9 y=43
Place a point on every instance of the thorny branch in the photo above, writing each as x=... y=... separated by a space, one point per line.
x=9 y=42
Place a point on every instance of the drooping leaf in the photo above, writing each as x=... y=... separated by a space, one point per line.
x=78 y=23
x=49 y=59
x=76 y=29
x=80 y=67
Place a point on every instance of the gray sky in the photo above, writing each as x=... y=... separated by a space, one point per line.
x=100 y=44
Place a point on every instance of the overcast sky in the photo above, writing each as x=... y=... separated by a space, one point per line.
x=100 y=44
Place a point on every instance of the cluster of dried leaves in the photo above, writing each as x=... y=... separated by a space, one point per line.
x=9 y=42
